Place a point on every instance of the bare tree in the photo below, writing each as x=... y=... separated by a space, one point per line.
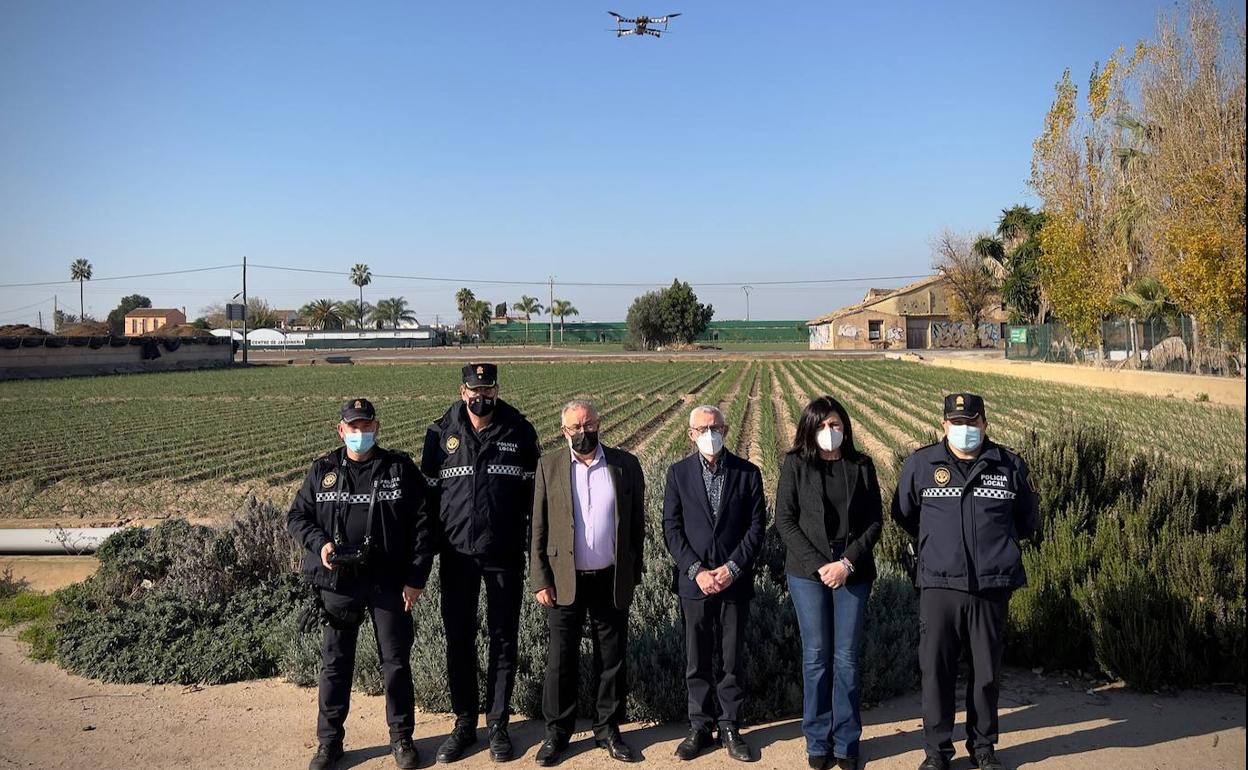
x=973 y=287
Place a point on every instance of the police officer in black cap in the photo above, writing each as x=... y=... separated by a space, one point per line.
x=480 y=459
x=969 y=502
x=361 y=518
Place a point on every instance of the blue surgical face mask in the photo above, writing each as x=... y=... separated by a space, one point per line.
x=359 y=442
x=965 y=438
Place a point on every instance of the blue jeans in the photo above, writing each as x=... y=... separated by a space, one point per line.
x=831 y=623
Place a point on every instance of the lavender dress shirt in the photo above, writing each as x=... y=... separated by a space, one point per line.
x=593 y=507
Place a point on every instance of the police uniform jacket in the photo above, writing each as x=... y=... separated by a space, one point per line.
x=481 y=484
x=401 y=551
x=968 y=526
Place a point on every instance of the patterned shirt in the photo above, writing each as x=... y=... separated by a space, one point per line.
x=713 y=480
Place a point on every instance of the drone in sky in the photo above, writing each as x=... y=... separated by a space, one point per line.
x=640 y=25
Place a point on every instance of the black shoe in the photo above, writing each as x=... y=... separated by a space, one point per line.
x=551 y=751
x=500 y=743
x=327 y=756
x=934 y=763
x=463 y=735
x=405 y=755
x=847 y=763
x=698 y=741
x=738 y=749
x=817 y=761
x=615 y=746
x=986 y=759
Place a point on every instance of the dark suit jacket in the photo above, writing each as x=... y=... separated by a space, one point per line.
x=799 y=518
x=693 y=535
x=552 y=558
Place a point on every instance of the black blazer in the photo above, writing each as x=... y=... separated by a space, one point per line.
x=693 y=535
x=800 y=522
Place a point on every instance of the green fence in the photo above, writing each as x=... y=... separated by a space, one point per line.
x=1159 y=344
x=617 y=332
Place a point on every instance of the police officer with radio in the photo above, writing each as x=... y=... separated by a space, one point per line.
x=361 y=518
x=480 y=459
x=969 y=501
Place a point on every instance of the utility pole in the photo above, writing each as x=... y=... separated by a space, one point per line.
x=747 y=290
x=244 y=309
x=551 y=311
x=41 y=320
x=55 y=314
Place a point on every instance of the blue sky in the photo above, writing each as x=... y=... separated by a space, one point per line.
x=512 y=141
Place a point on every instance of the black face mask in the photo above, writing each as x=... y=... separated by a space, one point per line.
x=585 y=442
x=481 y=406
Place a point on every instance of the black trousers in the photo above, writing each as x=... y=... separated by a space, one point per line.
x=461 y=578
x=952 y=622
x=595 y=598
x=394 y=631
x=714 y=635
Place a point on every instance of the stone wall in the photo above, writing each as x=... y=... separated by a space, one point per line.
x=27 y=361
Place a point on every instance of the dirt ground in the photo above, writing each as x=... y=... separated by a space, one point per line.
x=51 y=719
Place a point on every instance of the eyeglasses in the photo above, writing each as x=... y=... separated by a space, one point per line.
x=591 y=427
x=705 y=428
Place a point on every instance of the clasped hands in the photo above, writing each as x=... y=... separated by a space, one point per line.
x=712 y=581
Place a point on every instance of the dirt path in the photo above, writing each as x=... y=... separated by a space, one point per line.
x=51 y=720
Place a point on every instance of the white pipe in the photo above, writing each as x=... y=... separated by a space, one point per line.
x=73 y=541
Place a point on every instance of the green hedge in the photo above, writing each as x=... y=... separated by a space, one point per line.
x=1138 y=573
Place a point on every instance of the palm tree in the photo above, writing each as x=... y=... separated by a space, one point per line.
x=562 y=308
x=361 y=276
x=393 y=311
x=527 y=305
x=322 y=314
x=80 y=270
x=1019 y=230
x=1146 y=300
x=352 y=310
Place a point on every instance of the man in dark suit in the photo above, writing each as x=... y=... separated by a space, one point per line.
x=714 y=518
x=586 y=559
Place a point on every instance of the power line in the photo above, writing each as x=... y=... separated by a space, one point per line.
x=12 y=310
x=120 y=277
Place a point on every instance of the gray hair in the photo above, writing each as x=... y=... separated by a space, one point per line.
x=714 y=410
x=578 y=403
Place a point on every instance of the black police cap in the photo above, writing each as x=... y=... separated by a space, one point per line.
x=480 y=375
x=358 y=409
x=966 y=405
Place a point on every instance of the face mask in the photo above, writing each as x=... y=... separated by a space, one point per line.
x=481 y=405
x=965 y=438
x=359 y=442
x=710 y=442
x=584 y=442
x=829 y=439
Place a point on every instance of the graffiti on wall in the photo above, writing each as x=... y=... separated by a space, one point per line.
x=819 y=335
x=896 y=334
x=957 y=334
x=848 y=330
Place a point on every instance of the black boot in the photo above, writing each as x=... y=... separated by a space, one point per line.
x=326 y=757
x=986 y=759
x=462 y=736
x=934 y=763
x=698 y=741
x=405 y=755
x=500 y=743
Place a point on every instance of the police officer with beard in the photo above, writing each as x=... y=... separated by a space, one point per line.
x=479 y=459
x=968 y=501
x=361 y=518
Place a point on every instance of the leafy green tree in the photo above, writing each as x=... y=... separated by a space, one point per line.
x=671 y=315
x=80 y=271
x=117 y=317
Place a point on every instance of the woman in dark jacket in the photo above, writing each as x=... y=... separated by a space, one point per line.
x=829 y=515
